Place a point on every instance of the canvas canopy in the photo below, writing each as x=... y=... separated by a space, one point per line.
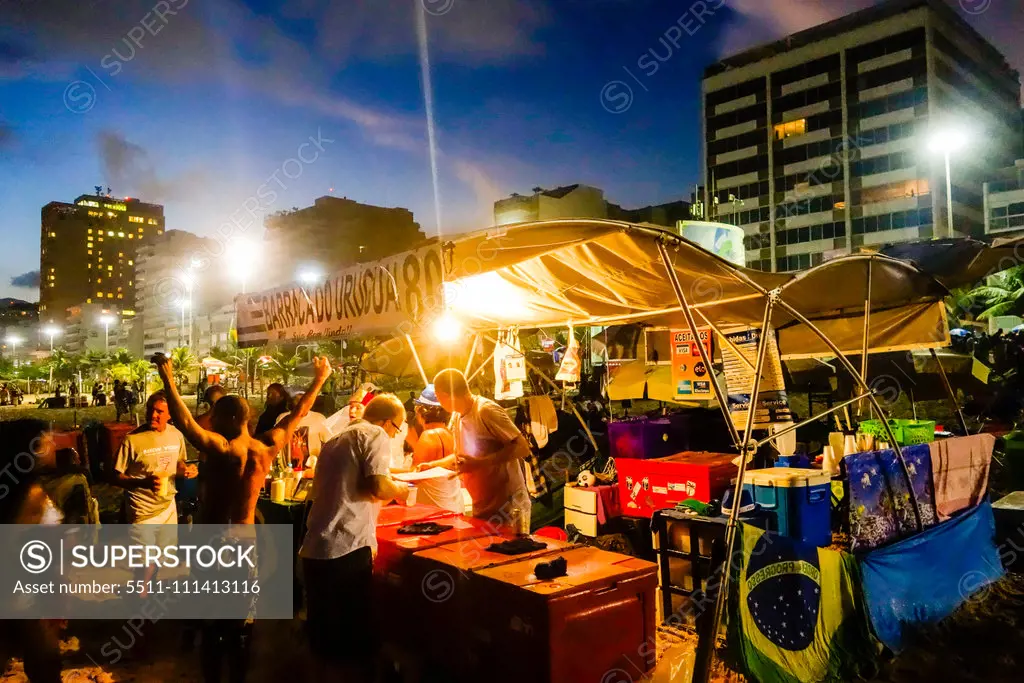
x=587 y=271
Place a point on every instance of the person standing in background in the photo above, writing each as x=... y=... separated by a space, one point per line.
x=276 y=405
x=435 y=443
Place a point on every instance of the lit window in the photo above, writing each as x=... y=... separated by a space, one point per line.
x=90 y=231
x=120 y=234
x=151 y=221
x=110 y=233
x=131 y=236
x=90 y=252
x=99 y=293
x=110 y=267
x=88 y=301
x=110 y=295
x=90 y=265
x=135 y=219
x=53 y=234
x=120 y=296
x=111 y=214
x=53 y=270
x=129 y=283
x=120 y=254
x=101 y=239
x=159 y=232
x=788 y=130
x=130 y=262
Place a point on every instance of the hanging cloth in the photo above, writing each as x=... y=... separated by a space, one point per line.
x=506 y=359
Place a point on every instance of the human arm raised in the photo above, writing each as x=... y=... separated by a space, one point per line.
x=280 y=434
x=202 y=439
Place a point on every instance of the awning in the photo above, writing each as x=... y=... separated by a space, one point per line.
x=584 y=271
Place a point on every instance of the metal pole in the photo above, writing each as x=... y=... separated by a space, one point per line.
x=723 y=401
x=472 y=354
x=483 y=365
x=793 y=428
x=949 y=197
x=702 y=669
x=416 y=357
x=867 y=329
x=725 y=340
x=871 y=397
x=952 y=394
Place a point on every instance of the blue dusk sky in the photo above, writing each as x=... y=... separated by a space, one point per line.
x=195 y=104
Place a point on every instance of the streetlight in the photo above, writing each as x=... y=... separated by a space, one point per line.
x=948 y=141
x=107 y=321
x=244 y=256
x=311 y=275
x=51 y=331
x=14 y=340
x=184 y=303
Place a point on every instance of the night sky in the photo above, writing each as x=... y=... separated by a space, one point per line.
x=201 y=114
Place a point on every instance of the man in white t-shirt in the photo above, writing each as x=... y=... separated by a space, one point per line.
x=352 y=480
x=308 y=438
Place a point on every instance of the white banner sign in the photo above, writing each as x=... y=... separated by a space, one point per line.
x=386 y=297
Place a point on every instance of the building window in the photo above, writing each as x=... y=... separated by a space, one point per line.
x=88 y=301
x=99 y=294
x=53 y=234
x=96 y=214
x=131 y=236
x=788 y=130
x=120 y=234
x=136 y=219
x=130 y=262
x=900 y=190
x=151 y=221
x=90 y=252
x=110 y=295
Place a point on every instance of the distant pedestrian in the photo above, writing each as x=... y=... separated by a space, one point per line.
x=120 y=399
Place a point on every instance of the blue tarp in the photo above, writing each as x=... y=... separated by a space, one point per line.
x=923 y=579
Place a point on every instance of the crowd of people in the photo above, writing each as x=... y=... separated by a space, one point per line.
x=11 y=395
x=354 y=457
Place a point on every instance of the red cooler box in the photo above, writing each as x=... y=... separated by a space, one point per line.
x=444 y=594
x=393 y=548
x=573 y=629
x=649 y=485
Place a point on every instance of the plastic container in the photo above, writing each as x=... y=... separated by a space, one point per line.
x=800 y=498
x=916 y=431
x=649 y=485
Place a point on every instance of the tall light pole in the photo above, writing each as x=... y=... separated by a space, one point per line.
x=244 y=256
x=14 y=341
x=51 y=331
x=107 y=321
x=184 y=303
x=947 y=142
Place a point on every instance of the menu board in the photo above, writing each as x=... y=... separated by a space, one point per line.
x=772 y=401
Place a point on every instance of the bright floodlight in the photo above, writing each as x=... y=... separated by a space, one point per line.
x=447 y=328
x=13 y=340
x=310 y=276
x=948 y=140
x=51 y=330
x=243 y=258
x=107 y=319
x=182 y=303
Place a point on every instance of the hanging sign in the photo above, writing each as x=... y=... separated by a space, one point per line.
x=772 y=402
x=386 y=297
x=690 y=376
x=569 y=370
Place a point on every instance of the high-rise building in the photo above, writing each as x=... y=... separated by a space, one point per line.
x=1004 y=203
x=101 y=328
x=818 y=144
x=176 y=286
x=583 y=201
x=332 y=234
x=87 y=252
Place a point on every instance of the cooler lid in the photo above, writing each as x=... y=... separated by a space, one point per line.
x=585 y=567
x=473 y=553
x=786 y=477
x=463 y=529
x=407 y=514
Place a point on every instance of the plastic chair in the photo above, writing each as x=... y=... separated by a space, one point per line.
x=552 y=532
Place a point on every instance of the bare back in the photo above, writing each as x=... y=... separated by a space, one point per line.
x=237 y=470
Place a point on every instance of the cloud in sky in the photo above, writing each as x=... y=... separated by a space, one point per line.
x=29 y=280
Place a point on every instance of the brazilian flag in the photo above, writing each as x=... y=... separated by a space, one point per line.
x=796 y=612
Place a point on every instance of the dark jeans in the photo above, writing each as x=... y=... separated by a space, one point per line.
x=338 y=608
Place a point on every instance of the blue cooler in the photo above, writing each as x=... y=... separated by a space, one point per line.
x=801 y=500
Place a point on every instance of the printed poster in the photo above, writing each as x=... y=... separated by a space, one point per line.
x=772 y=402
x=690 y=377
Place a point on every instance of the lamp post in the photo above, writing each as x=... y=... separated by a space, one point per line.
x=51 y=331
x=947 y=142
x=107 y=321
x=14 y=341
x=183 y=303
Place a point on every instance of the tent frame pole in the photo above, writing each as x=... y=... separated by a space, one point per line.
x=725 y=340
x=472 y=354
x=723 y=401
x=952 y=394
x=702 y=667
x=867 y=329
x=793 y=428
x=871 y=397
x=416 y=357
x=483 y=364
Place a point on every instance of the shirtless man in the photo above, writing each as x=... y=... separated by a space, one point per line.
x=237 y=462
x=236 y=466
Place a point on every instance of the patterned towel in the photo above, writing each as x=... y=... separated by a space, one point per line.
x=880 y=507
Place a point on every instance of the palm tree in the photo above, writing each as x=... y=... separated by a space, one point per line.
x=183 y=361
x=284 y=366
x=243 y=361
x=93 y=363
x=122 y=357
x=62 y=364
x=1003 y=295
